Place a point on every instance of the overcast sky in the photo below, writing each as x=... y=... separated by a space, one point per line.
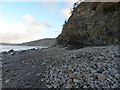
x=28 y=21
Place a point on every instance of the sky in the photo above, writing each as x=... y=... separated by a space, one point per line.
x=27 y=21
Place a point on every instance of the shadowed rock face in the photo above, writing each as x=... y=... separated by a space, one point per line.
x=92 y=23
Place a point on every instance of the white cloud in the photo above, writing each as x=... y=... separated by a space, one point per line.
x=21 y=32
x=66 y=12
x=29 y=19
x=9 y=27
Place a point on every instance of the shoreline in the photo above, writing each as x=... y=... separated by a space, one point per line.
x=89 y=67
x=7 y=48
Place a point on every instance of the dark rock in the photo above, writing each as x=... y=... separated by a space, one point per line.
x=100 y=70
x=4 y=53
x=71 y=47
x=22 y=51
x=33 y=49
x=10 y=51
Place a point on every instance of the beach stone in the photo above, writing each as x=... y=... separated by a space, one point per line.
x=101 y=77
x=77 y=87
x=72 y=76
x=57 y=79
x=109 y=79
x=68 y=86
x=60 y=73
x=75 y=80
x=106 y=72
x=114 y=86
x=38 y=74
x=50 y=86
x=65 y=66
x=47 y=81
x=87 y=75
x=109 y=76
x=83 y=54
x=100 y=70
x=99 y=65
x=54 y=86
x=93 y=71
x=92 y=85
x=78 y=76
x=100 y=58
x=112 y=71
x=102 y=54
x=85 y=86
x=75 y=73
x=42 y=79
x=69 y=82
x=117 y=76
x=7 y=81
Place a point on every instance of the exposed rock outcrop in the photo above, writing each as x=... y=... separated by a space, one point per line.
x=91 y=24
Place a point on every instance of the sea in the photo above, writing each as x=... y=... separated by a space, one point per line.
x=6 y=48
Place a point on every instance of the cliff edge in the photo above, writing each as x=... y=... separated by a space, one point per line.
x=92 y=24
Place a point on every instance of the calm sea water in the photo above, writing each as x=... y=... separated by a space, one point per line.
x=17 y=48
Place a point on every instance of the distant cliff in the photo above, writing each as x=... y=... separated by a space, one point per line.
x=42 y=42
x=47 y=42
x=92 y=23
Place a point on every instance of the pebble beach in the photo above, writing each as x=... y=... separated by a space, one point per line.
x=58 y=67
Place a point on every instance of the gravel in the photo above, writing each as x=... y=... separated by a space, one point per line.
x=89 y=67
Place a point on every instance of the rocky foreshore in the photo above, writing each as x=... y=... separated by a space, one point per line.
x=89 y=67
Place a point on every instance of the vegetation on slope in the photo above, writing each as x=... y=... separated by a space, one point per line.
x=91 y=23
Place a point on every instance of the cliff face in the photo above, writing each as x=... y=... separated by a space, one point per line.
x=92 y=23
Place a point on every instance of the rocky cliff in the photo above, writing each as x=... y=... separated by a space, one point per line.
x=91 y=24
